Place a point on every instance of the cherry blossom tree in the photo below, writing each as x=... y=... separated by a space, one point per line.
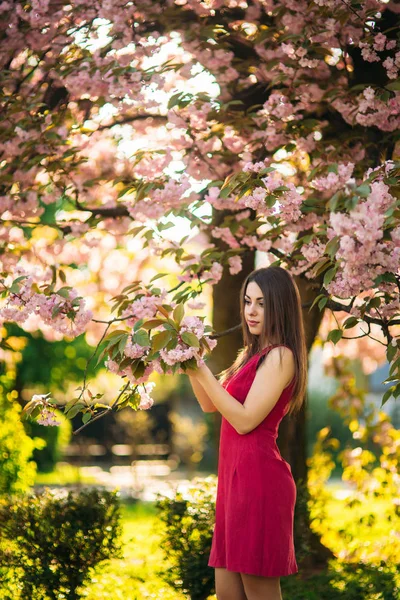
x=268 y=126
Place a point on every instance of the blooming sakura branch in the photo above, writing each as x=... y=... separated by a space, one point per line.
x=276 y=131
x=156 y=337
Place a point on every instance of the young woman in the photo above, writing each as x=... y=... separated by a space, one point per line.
x=252 y=544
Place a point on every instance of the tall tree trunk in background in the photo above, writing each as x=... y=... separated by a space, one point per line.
x=226 y=314
x=292 y=440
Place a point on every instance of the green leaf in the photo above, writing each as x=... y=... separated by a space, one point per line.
x=122 y=343
x=74 y=410
x=387 y=395
x=363 y=190
x=329 y=275
x=138 y=324
x=101 y=356
x=335 y=335
x=64 y=291
x=394 y=366
x=322 y=302
x=391 y=352
x=321 y=265
x=332 y=246
x=115 y=335
x=138 y=372
x=333 y=202
x=163 y=226
x=178 y=313
x=190 y=364
x=190 y=339
x=204 y=344
x=316 y=300
x=86 y=417
x=158 y=276
x=141 y=337
x=350 y=322
x=70 y=404
x=393 y=86
x=160 y=340
x=56 y=310
x=374 y=302
x=152 y=323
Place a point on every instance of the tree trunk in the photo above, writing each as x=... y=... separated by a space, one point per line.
x=292 y=443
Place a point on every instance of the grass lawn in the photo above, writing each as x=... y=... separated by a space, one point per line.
x=134 y=577
x=64 y=474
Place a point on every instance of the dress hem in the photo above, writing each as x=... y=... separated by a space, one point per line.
x=247 y=572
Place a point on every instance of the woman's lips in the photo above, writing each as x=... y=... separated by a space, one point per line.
x=252 y=322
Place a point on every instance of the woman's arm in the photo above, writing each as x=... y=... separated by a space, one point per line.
x=202 y=397
x=268 y=384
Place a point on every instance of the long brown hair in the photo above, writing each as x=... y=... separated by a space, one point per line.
x=283 y=324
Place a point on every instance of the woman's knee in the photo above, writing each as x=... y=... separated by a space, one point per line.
x=265 y=588
x=228 y=585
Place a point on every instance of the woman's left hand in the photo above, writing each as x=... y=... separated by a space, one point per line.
x=196 y=372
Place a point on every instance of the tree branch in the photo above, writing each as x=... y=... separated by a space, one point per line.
x=336 y=306
x=131 y=119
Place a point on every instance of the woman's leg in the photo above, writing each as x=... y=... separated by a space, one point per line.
x=228 y=585
x=261 y=588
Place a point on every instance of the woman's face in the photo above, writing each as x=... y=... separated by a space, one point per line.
x=254 y=308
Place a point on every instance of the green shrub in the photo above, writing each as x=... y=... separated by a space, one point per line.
x=17 y=471
x=186 y=539
x=51 y=542
x=345 y=581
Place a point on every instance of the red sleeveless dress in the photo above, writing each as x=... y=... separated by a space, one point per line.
x=256 y=493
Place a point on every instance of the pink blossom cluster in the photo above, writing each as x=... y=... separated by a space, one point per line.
x=279 y=106
x=334 y=181
x=65 y=313
x=196 y=304
x=231 y=203
x=48 y=418
x=217 y=60
x=370 y=111
x=252 y=241
x=253 y=167
x=23 y=207
x=312 y=252
x=71 y=318
x=256 y=200
x=197 y=115
x=47 y=415
x=144 y=307
x=134 y=350
x=214 y=274
x=363 y=253
x=233 y=141
x=381 y=43
x=226 y=235
x=235 y=264
x=193 y=325
x=152 y=367
x=178 y=354
x=160 y=200
x=146 y=401
x=287 y=204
